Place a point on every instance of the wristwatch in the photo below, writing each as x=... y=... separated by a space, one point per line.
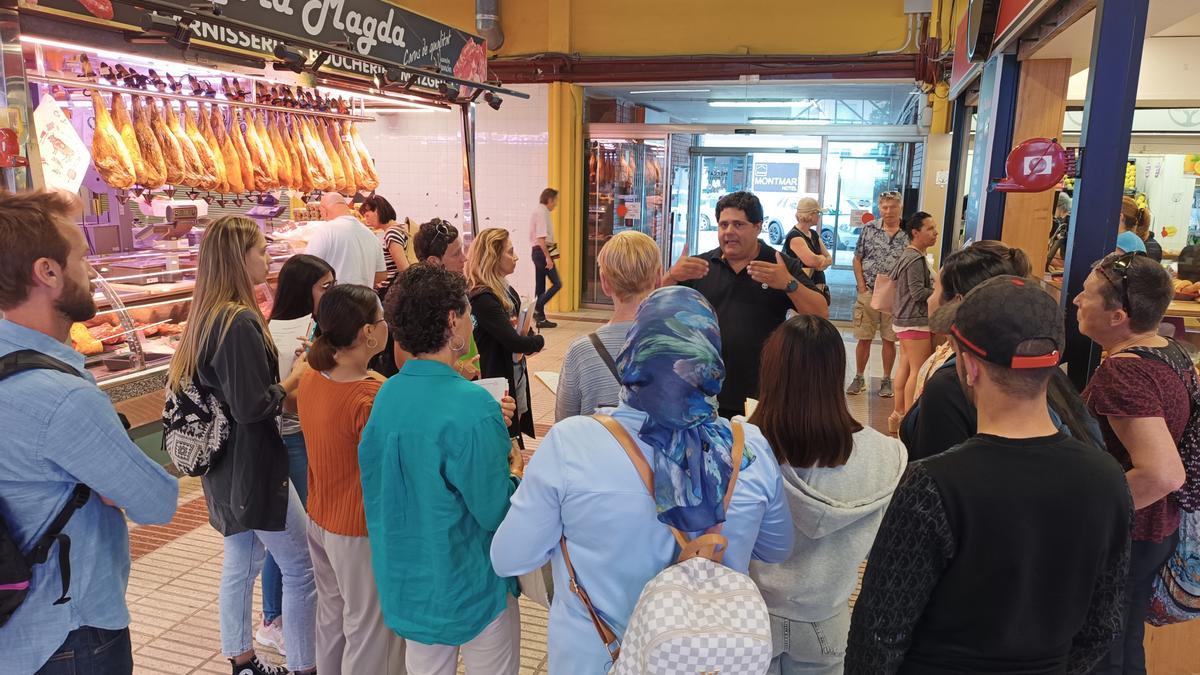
x=792 y=286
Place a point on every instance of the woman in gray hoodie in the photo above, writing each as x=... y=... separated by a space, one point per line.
x=838 y=476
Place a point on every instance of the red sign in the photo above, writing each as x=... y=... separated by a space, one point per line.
x=1011 y=13
x=1035 y=165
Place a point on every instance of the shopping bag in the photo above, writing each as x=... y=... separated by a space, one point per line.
x=884 y=296
x=538 y=585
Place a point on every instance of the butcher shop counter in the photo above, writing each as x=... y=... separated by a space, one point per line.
x=153 y=315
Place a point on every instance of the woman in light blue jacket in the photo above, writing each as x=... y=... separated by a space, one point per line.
x=581 y=484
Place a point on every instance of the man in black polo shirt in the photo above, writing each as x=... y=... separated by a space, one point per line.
x=1009 y=552
x=751 y=287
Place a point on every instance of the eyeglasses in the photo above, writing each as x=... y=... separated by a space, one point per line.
x=1121 y=267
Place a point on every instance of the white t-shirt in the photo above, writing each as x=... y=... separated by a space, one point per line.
x=539 y=226
x=286 y=334
x=352 y=250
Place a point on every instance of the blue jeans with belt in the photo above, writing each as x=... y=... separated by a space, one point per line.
x=272 y=579
x=92 y=651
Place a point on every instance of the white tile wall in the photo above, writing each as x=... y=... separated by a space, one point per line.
x=419 y=157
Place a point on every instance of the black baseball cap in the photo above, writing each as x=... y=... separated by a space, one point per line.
x=998 y=316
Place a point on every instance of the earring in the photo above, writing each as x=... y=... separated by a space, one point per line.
x=372 y=343
x=460 y=347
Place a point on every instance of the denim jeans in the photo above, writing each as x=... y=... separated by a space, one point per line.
x=803 y=648
x=543 y=295
x=272 y=580
x=244 y=555
x=92 y=651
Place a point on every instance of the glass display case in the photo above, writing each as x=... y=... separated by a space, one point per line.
x=626 y=187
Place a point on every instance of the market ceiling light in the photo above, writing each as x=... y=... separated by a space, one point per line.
x=669 y=91
x=760 y=103
x=493 y=100
x=788 y=121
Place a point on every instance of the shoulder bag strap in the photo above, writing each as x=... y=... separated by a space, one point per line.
x=606 y=358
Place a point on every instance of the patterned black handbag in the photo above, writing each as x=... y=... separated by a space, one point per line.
x=195 y=428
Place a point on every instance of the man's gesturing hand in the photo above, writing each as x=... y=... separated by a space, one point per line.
x=773 y=275
x=687 y=268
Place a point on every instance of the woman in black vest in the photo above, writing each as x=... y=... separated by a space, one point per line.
x=803 y=242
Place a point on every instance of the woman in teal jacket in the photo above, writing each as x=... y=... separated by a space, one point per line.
x=436 y=483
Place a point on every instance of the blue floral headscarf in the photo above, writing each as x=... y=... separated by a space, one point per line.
x=671 y=369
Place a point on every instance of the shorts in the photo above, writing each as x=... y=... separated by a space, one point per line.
x=913 y=333
x=868 y=321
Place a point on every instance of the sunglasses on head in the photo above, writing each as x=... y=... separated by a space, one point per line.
x=441 y=227
x=890 y=194
x=1121 y=267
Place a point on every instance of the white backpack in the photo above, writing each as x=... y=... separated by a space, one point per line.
x=696 y=617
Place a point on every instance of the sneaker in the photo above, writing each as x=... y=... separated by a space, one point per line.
x=857 y=386
x=256 y=667
x=885 y=388
x=546 y=323
x=271 y=635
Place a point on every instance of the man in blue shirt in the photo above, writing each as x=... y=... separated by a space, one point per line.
x=60 y=430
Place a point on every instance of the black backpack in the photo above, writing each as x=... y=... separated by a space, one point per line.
x=16 y=568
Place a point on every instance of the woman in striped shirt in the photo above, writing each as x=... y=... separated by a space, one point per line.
x=397 y=253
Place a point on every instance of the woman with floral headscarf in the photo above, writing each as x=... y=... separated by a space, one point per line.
x=581 y=485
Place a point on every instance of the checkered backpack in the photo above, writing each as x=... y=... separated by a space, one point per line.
x=697 y=616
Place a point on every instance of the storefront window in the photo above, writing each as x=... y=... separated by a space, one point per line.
x=856 y=172
x=626 y=185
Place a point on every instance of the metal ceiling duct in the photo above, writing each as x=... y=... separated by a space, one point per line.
x=487 y=22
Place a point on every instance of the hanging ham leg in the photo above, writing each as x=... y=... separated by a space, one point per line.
x=319 y=161
x=197 y=174
x=208 y=159
x=264 y=173
x=124 y=125
x=269 y=129
x=177 y=172
x=229 y=153
x=296 y=145
x=152 y=154
x=368 y=162
x=210 y=142
x=112 y=159
x=245 y=160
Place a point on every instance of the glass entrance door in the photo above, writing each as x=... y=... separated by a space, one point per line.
x=856 y=172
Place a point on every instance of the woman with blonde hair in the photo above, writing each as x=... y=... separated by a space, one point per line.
x=630 y=268
x=497 y=307
x=226 y=350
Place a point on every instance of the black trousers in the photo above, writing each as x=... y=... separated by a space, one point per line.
x=1128 y=653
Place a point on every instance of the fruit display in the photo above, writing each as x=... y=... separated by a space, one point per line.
x=1191 y=164
x=276 y=143
x=1131 y=175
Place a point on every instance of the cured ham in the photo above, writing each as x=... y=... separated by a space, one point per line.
x=334 y=143
x=301 y=175
x=124 y=125
x=310 y=178
x=335 y=162
x=233 y=161
x=177 y=168
x=318 y=158
x=197 y=174
x=264 y=171
x=283 y=159
x=111 y=157
x=367 y=162
x=210 y=142
x=152 y=155
x=213 y=168
x=245 y=161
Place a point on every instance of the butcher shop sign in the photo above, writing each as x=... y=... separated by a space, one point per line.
x=373 y=28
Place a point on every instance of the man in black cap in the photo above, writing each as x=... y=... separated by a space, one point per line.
x=1009 y=552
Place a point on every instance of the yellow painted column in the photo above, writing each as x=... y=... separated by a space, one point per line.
x=565 y=173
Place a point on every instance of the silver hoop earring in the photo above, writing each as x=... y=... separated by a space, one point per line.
x=461 y=346
x=372 y=343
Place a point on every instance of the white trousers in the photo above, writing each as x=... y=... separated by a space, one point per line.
x=352 y=638
x=495 y=651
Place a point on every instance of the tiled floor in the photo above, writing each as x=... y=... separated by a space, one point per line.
x=177 y=567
